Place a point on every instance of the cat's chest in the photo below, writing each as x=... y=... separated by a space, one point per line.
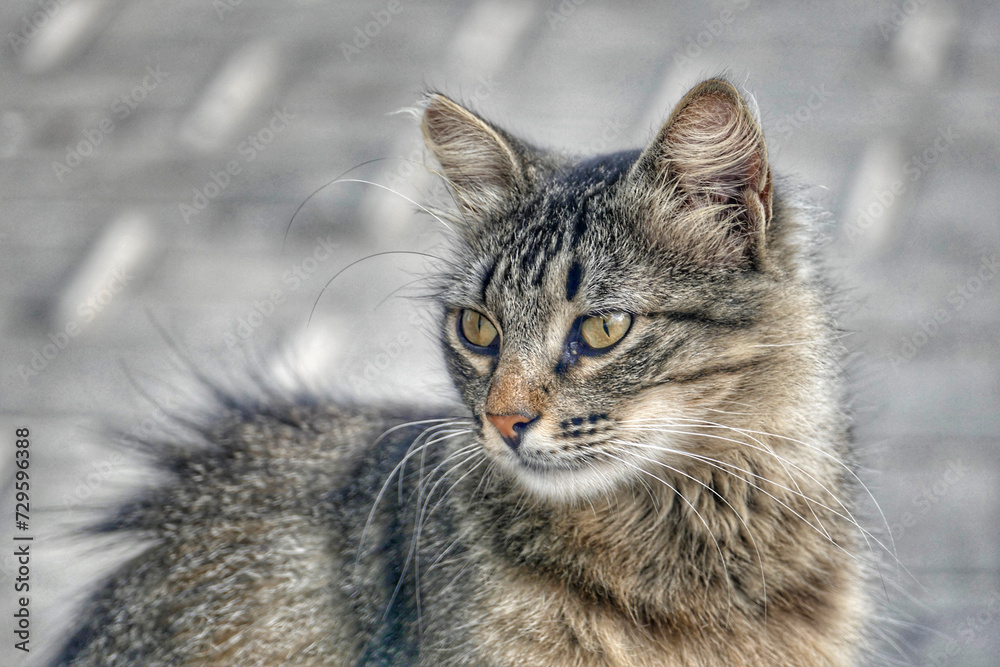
x=523 y=619
x=512 y=617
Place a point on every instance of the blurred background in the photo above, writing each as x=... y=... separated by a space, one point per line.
x=154 y=157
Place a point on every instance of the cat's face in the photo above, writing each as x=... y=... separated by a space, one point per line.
x=593 y=299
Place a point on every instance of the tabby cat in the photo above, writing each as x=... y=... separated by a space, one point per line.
x=651 y=467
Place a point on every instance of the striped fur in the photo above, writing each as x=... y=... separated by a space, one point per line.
x=684 y=497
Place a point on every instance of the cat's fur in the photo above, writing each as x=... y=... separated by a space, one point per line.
x=683 y=498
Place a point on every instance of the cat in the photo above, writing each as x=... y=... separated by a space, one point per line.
x=652 y=466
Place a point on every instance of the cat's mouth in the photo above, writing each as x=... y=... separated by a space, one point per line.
x=561 y=476
x=546 y=465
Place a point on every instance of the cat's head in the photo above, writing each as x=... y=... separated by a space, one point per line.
x=594 y=301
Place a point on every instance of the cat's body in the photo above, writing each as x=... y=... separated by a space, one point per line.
x=654 y=469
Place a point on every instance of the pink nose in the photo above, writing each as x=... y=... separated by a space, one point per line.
x=511 y=427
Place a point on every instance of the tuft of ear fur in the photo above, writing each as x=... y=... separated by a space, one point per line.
x=482 y=164
x=707 y=179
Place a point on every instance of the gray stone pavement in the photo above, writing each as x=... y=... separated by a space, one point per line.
x=153 y=153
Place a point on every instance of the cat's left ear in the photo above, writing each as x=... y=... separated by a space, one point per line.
x=484 y=166
x=707 y=179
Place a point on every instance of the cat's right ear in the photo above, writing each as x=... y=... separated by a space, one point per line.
x=483 y=165
x=708 y=180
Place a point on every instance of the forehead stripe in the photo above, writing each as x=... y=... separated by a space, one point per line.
x=488 y=278
x=573 y=279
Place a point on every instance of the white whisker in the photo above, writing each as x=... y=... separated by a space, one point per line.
x=801 y=342
x=866 y=535
x=423 y=515
x=753 y=540
x=411 y=450
x=693 y=509
x=410 y=555
x=775 y=498
x=790 y=476
x=398 y=194
x=836 y=460
x=830 y=457
x=780 y=459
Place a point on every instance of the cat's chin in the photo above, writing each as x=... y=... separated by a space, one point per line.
x=564 y=483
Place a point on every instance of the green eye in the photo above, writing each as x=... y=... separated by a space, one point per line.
x=476 y=328
x=601 y=331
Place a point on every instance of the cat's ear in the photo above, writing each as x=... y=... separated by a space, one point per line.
x=708 y=177
x=483 y=165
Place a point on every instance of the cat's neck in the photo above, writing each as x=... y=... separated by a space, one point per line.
x=694 y=543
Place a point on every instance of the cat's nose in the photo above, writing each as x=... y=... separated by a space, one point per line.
x=511 y=427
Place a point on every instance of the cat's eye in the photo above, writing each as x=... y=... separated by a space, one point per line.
x=602 y=331
x=477 y=328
